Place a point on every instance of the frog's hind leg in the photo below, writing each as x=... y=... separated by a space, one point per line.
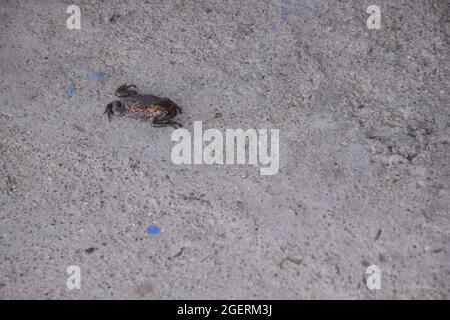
x=171 y=107
x=175 y=107
x=125 y=91
x=165 y=122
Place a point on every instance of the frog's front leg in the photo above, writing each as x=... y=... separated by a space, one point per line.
x=125 y=91
x=109 y=111
x=115 y=106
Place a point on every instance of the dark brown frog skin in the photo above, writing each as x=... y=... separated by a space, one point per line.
x=143 y=106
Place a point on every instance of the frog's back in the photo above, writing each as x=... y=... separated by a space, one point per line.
x=144 y=100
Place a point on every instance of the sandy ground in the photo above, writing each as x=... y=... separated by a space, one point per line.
x=364 y=123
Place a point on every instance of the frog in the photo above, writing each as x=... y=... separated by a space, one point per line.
x=145 y=107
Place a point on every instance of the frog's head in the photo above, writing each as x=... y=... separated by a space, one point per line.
x=114 y=107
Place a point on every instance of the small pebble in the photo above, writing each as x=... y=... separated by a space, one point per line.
x=143 y=289
x=89 y=250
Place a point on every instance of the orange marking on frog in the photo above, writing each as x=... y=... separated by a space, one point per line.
x=155 y=107
x=137 y=108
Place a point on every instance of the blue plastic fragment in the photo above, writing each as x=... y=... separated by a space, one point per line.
x=284 y=14
x=69 y=92
x=96 y=74
x=153 y=229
